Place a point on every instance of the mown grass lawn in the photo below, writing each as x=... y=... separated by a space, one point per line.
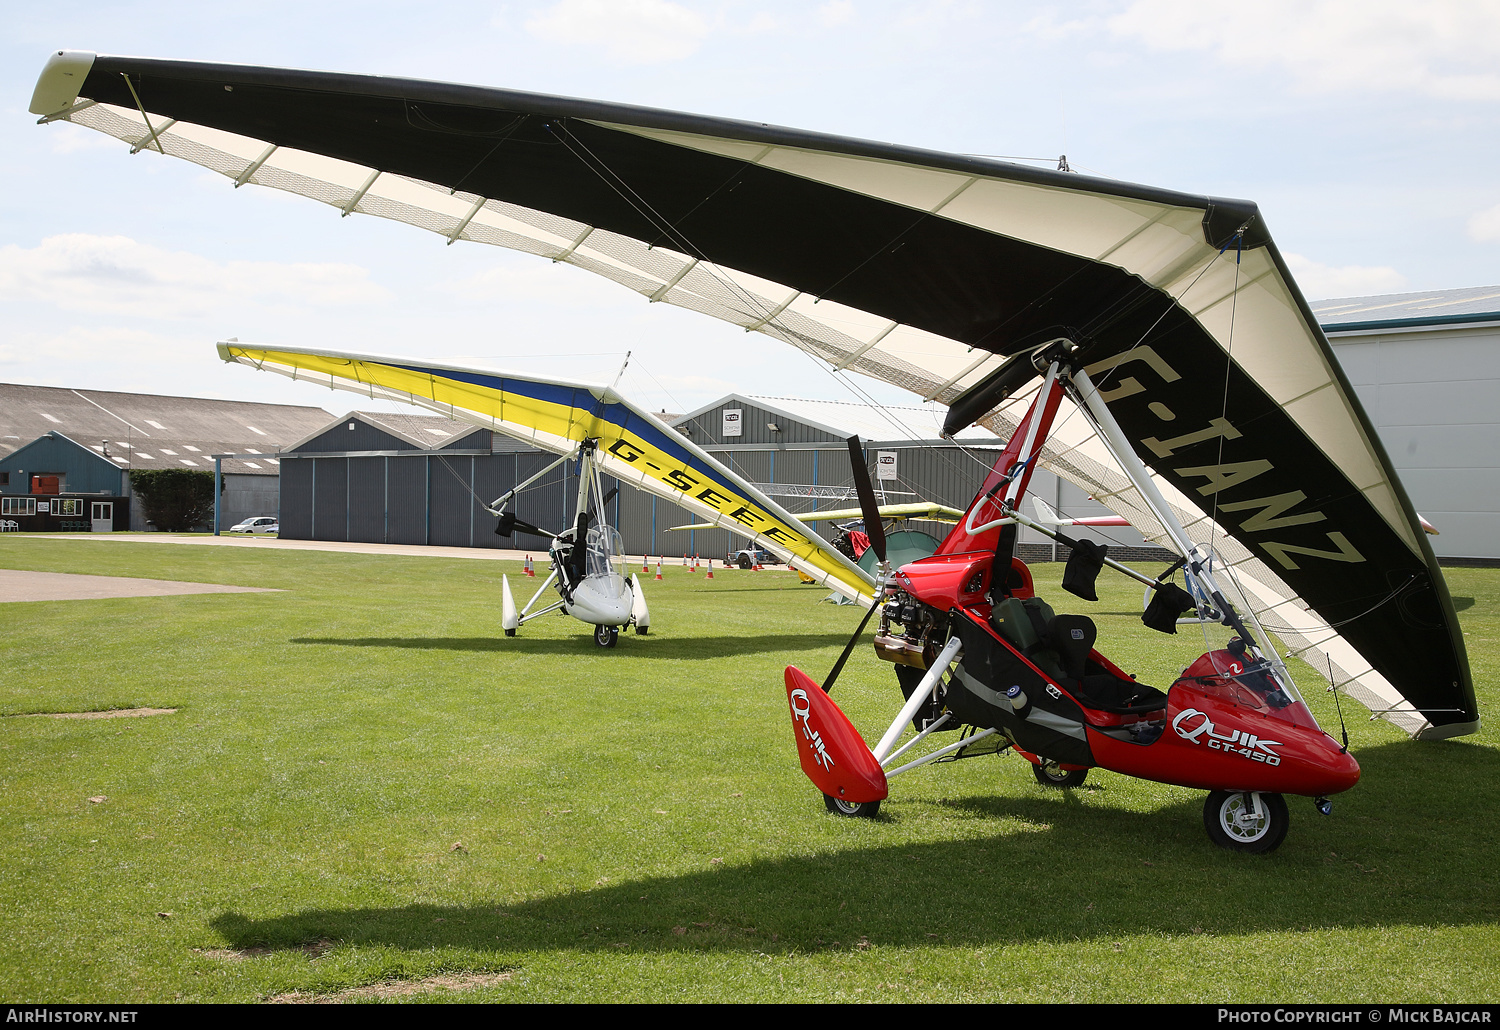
x=366 y=784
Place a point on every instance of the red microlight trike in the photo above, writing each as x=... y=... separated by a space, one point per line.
x=978 y=652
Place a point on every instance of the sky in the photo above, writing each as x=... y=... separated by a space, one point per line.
x=1366 y=130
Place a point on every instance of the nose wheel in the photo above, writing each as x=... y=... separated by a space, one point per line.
x=606 y=636
x=851 y=809
x=1250 y=822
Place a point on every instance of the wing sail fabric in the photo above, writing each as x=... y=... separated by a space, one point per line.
x=923 y=269
x=556 y=415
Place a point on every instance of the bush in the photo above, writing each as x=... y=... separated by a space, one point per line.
x=175 y=500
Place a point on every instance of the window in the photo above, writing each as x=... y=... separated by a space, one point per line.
x=72 y=506
x=17 y=505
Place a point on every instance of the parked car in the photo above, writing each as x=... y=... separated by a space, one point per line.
x=261 y=524
x=749 y=557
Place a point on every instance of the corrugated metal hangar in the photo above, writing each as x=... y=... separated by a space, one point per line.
x=376 y=477
x=74 y=450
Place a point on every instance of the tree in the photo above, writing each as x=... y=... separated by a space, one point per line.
x=175 y=500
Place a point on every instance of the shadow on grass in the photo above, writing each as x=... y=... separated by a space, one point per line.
x=1057 y=866
x=654 y=646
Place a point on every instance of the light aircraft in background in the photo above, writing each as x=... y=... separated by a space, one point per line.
x=606 y=435
x=1149 y=346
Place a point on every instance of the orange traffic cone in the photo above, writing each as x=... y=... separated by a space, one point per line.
x=695 y=563
x=529 y=570
x=658 y=568
x=710 y=569
x=645 y=563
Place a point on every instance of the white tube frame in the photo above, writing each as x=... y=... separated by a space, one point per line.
x=942 y=751
x=918 y=697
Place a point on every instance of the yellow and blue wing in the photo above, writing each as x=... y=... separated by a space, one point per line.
x=557 y=415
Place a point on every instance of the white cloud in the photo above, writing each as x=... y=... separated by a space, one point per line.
x=628 y=31
x=1484 y=226
x=1448 y=49
x=836 y=12
x=118 y=275
x=525 y=279
x=1320 y=282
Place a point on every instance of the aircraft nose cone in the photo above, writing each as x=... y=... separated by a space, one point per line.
x=1339 y=771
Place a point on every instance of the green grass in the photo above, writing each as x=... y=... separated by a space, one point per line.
x=365 y=782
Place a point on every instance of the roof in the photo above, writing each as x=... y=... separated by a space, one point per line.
x=420 y=432
x=1409 y=310
x=429 y=432
x=148 y=431
x=873 y=424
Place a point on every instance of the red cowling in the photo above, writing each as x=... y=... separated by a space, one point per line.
x=833 y=754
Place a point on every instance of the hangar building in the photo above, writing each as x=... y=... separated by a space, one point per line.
x=1426 y=367
x=73 y=450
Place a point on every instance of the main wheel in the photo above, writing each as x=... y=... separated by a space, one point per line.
x=744 y=562
x=1231 y=824
x=1051 y=774
x=606 y=636
x=851 y=809
x=510 y=632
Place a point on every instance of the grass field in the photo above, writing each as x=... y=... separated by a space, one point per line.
x=367 y=792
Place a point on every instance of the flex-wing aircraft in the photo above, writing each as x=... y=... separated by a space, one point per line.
x=606 y=434
x=931 y=271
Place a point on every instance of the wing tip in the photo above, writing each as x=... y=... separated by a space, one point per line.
x=61 y=79
x=1447 y=730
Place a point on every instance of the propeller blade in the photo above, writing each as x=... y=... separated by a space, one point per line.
x=875 y=530
x=874 y=527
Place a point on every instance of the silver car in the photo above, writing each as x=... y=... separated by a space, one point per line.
x=261 y=524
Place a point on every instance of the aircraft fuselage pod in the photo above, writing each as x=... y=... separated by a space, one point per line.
x=587 y=562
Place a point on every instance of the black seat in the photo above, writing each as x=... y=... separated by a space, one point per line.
x=1071 y=638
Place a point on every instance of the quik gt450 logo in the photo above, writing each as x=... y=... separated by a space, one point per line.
x=802 y=710
x=1195 y=726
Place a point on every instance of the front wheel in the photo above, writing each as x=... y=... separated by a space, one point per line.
x=744 y=562
x=851 y=809
x=1051 y=774
x=606 y=636
x=1233 y=823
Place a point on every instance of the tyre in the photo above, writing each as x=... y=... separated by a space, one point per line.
x=606 y=636
x=641 y=631
x=851 y=809
x=1227 y=818
x=744 y=562
x=510 y=632
x=1050 y=774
